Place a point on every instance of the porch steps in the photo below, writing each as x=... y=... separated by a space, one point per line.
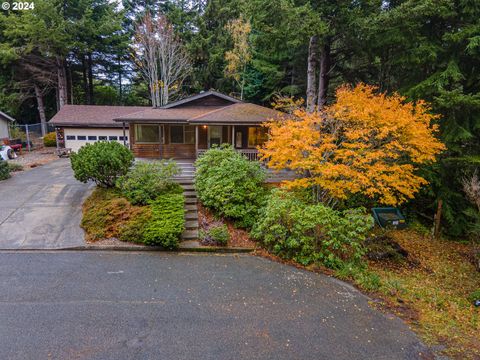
x=191 y=212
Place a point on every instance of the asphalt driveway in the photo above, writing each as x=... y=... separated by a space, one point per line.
x=41 y=208
x=119 y=305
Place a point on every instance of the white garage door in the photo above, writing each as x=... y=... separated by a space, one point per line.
x=75 y=138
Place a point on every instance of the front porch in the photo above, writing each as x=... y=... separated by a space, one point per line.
x=181 y=141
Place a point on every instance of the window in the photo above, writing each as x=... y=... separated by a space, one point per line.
x=189 y=134
x=102 y=138
x=113 y=138
x=92 y=138
x=176 y=134
x=256 y=136
x=71 y=137
x=81 y=137
x=180 y=134
x=146 y=133
x=121 y=138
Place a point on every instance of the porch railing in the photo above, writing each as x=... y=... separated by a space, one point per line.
x=250 y=154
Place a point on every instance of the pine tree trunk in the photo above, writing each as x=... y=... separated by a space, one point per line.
x=62 y=82
x=41 y=109
x=70 y=81
x=120 y=89
x=90 y=79
x=85 y=80
x=325 y=60
x=312 y=65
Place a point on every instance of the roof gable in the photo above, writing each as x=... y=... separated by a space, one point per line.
x=207 y=98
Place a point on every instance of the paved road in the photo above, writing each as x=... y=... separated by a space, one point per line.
x=41 y=208
x=114 y=305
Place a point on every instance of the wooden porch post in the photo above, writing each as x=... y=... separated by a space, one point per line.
x=196 y=141
x=233 y=136
x=124 y=134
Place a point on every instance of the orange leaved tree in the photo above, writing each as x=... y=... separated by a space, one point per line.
x=365 y=143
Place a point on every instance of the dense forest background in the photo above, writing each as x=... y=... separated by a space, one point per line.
x=80 y=52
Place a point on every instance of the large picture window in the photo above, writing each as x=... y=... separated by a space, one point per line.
x=147 y=133
x=182 y=134
x=256 y=136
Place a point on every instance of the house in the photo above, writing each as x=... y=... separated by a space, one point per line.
x=5 y=121
x=78 y=125
x=186 y=128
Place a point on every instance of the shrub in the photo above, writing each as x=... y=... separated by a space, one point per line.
x=230 y=184
x=308 y=233
x=167 y=221
x=102 y=162
x=4 y=170
x=147 y=181
x=134 y=230
x=105 y=213
x=217 y=234
x=50 y=139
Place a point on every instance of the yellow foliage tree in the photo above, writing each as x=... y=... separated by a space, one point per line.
x=365 y=143
x=238 y=58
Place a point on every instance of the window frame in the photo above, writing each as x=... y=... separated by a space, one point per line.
x=160 y=134
x=184 y=132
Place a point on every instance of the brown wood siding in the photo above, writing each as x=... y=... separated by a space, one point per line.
x=166 y=151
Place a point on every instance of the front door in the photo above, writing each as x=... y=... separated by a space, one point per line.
x=214 y=135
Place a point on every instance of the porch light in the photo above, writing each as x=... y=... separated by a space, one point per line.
x=204 y=126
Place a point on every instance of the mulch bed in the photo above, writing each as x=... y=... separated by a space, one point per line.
x=238 y=237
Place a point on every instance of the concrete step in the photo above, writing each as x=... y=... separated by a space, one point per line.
x=191 y=215
x=183 y=180
x=191 y=224
x=188 y=187
x=190 y=194
x=190 y=234
x=190 y=200
x=190 y=208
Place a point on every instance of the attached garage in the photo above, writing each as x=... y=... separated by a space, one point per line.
x=78 y=125
x=75 y=138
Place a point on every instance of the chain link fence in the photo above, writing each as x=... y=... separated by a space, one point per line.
x=30 y=136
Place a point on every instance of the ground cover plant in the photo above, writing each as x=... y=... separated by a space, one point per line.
x=229 y=184
x=141 y=204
